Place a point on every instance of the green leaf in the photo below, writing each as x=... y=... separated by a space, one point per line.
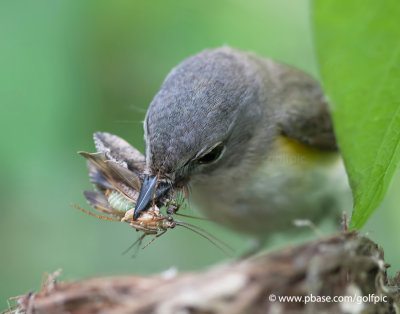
x=358 y=47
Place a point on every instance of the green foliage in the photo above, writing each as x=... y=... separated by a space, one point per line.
x=359 y=54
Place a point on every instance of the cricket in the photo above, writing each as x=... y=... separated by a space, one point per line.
x=117 y=171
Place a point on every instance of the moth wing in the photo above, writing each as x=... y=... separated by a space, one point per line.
x=97 y=159
x=99 y=202
x=119 y=151
x=97 y=178
x=126 y=191
x=121 y=179
x=124 y=175
x=112 y=171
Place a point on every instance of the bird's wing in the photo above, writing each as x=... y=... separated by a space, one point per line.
x=302 y=110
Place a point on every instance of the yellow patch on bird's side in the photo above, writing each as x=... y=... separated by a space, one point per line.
x=292 y=152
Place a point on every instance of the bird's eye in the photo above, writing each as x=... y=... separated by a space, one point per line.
x=213 y=155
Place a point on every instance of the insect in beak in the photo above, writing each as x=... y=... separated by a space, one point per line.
x=152 y=190
x=118 y=179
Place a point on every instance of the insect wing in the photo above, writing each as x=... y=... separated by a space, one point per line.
x=119 y=151
x=112 y=171
x=98 y=159
x=124 y=175
x=99 y=201
x=121 y=179
x=97 y=178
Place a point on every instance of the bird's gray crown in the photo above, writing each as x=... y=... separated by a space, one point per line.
x=197 y=105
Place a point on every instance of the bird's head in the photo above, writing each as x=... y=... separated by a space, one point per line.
x=201 y=121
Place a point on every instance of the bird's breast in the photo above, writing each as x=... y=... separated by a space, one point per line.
x=293 y=181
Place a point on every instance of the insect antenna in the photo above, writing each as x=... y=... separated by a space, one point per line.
x=205 y=237
x=173 y=210
x=193 y=217
x=207 y=233
x=94 y=215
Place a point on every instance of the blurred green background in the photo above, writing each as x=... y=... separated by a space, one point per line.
x=70 y=68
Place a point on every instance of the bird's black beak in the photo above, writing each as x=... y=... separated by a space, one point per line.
x=147 y=193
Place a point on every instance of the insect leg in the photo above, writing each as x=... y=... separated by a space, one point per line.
x=155 y=237
x=138 y=242
x=92 y=214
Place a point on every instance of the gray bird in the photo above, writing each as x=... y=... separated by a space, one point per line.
x=252 y=138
